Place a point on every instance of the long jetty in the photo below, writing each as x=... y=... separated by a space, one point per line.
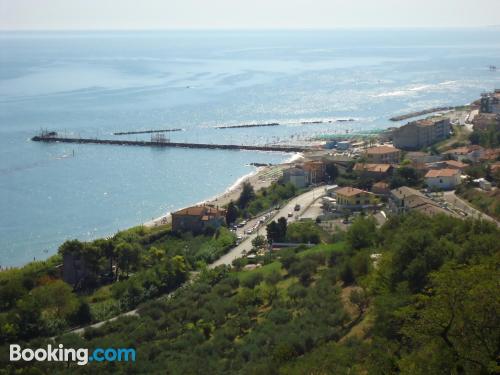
x=277 y=148
x=246 y=126
x=148 y=131
x=420 y=113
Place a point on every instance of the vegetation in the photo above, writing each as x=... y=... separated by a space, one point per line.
x=428 y=305
x=485 y=201
x=488 y=137
x=120 y=272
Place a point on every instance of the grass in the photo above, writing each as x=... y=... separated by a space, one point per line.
x=323 y=248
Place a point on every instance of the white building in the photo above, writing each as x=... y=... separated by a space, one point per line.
x=443 y=178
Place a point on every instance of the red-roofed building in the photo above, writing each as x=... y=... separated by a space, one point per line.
x=375 y=171
x=198 y=218
x=353 y=198
x=383 y=155
x=446 y=178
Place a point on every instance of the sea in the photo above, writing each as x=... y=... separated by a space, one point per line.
x=92 y=84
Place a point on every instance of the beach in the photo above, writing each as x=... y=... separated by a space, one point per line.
x=261 y=178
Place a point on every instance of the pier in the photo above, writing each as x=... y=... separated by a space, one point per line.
x=153 y=143
x=148 y=131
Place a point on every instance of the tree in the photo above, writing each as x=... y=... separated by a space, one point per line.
x=259 y=242
x=247 y=194
x=331 y=171
x=359 y=298
x=458 y=318
x=231 y=213
x=362 y=233
x=127 y=256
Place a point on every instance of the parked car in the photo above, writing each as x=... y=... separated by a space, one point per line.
x=290 y=214
x=297 y=207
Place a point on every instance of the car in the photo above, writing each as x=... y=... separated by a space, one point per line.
x=249 y=231
x=297 y=207
x=290 y=214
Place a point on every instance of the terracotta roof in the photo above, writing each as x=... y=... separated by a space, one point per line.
x=431 y=210
x=456 y=164
x=380 y=185
x=199 y=211
x=349 y=191
x=382 y=150
x=382 y=168
x=446 y=172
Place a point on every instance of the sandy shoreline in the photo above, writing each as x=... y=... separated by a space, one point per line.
x=260 y=178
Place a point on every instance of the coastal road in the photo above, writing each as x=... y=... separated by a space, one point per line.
x=304 y=200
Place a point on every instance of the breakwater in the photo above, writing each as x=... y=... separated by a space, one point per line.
x=246 y=126
x=277 y=148
x=147 y=131
x=420 y=113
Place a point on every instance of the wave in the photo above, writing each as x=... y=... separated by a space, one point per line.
x=414 y=89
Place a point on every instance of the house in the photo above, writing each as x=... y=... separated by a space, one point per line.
x=375 y=171
x=490 y=154
x=381 y=189
x=422 y=133
x=473 y=153
x=490 y=102
x=383 y=155
x=198 y=218
x=443 y=178
x=353 y=198
x=450 y=164
x=296 y=176
x=398 y=197
x=343 y=145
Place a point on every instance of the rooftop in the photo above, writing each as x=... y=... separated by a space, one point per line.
x=199 y=211
x=349 y=191
x=455 y=163
x=382 y=168
x=446 y=172
x=382 y=150
x=405 y=191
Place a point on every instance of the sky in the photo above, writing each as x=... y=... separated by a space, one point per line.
x=244 y=14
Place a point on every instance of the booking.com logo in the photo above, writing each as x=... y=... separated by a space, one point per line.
x=80 y=356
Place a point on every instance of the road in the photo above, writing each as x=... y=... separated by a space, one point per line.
x=304 y=200
x=453 y=199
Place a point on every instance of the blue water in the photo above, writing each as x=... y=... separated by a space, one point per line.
x=92 y=84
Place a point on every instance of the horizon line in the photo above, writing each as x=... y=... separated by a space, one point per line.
x=208 y=28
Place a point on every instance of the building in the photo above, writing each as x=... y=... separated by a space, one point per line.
x=197 y=219
x=375 y=171
x=296 y=176
x=343 y=145
x=490 y=102
x=473 y=153
x=399 y=196
x=381 y=189
x=353 y=198
x=443 y=178
x=422 y=133
x=383 y=155
x=448 y=164
x=316 y=170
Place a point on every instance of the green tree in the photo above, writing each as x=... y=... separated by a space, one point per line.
x=231 y=213
x=247 y=194
x=458 y=317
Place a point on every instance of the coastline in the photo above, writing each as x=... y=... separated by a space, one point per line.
x=259 y=178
